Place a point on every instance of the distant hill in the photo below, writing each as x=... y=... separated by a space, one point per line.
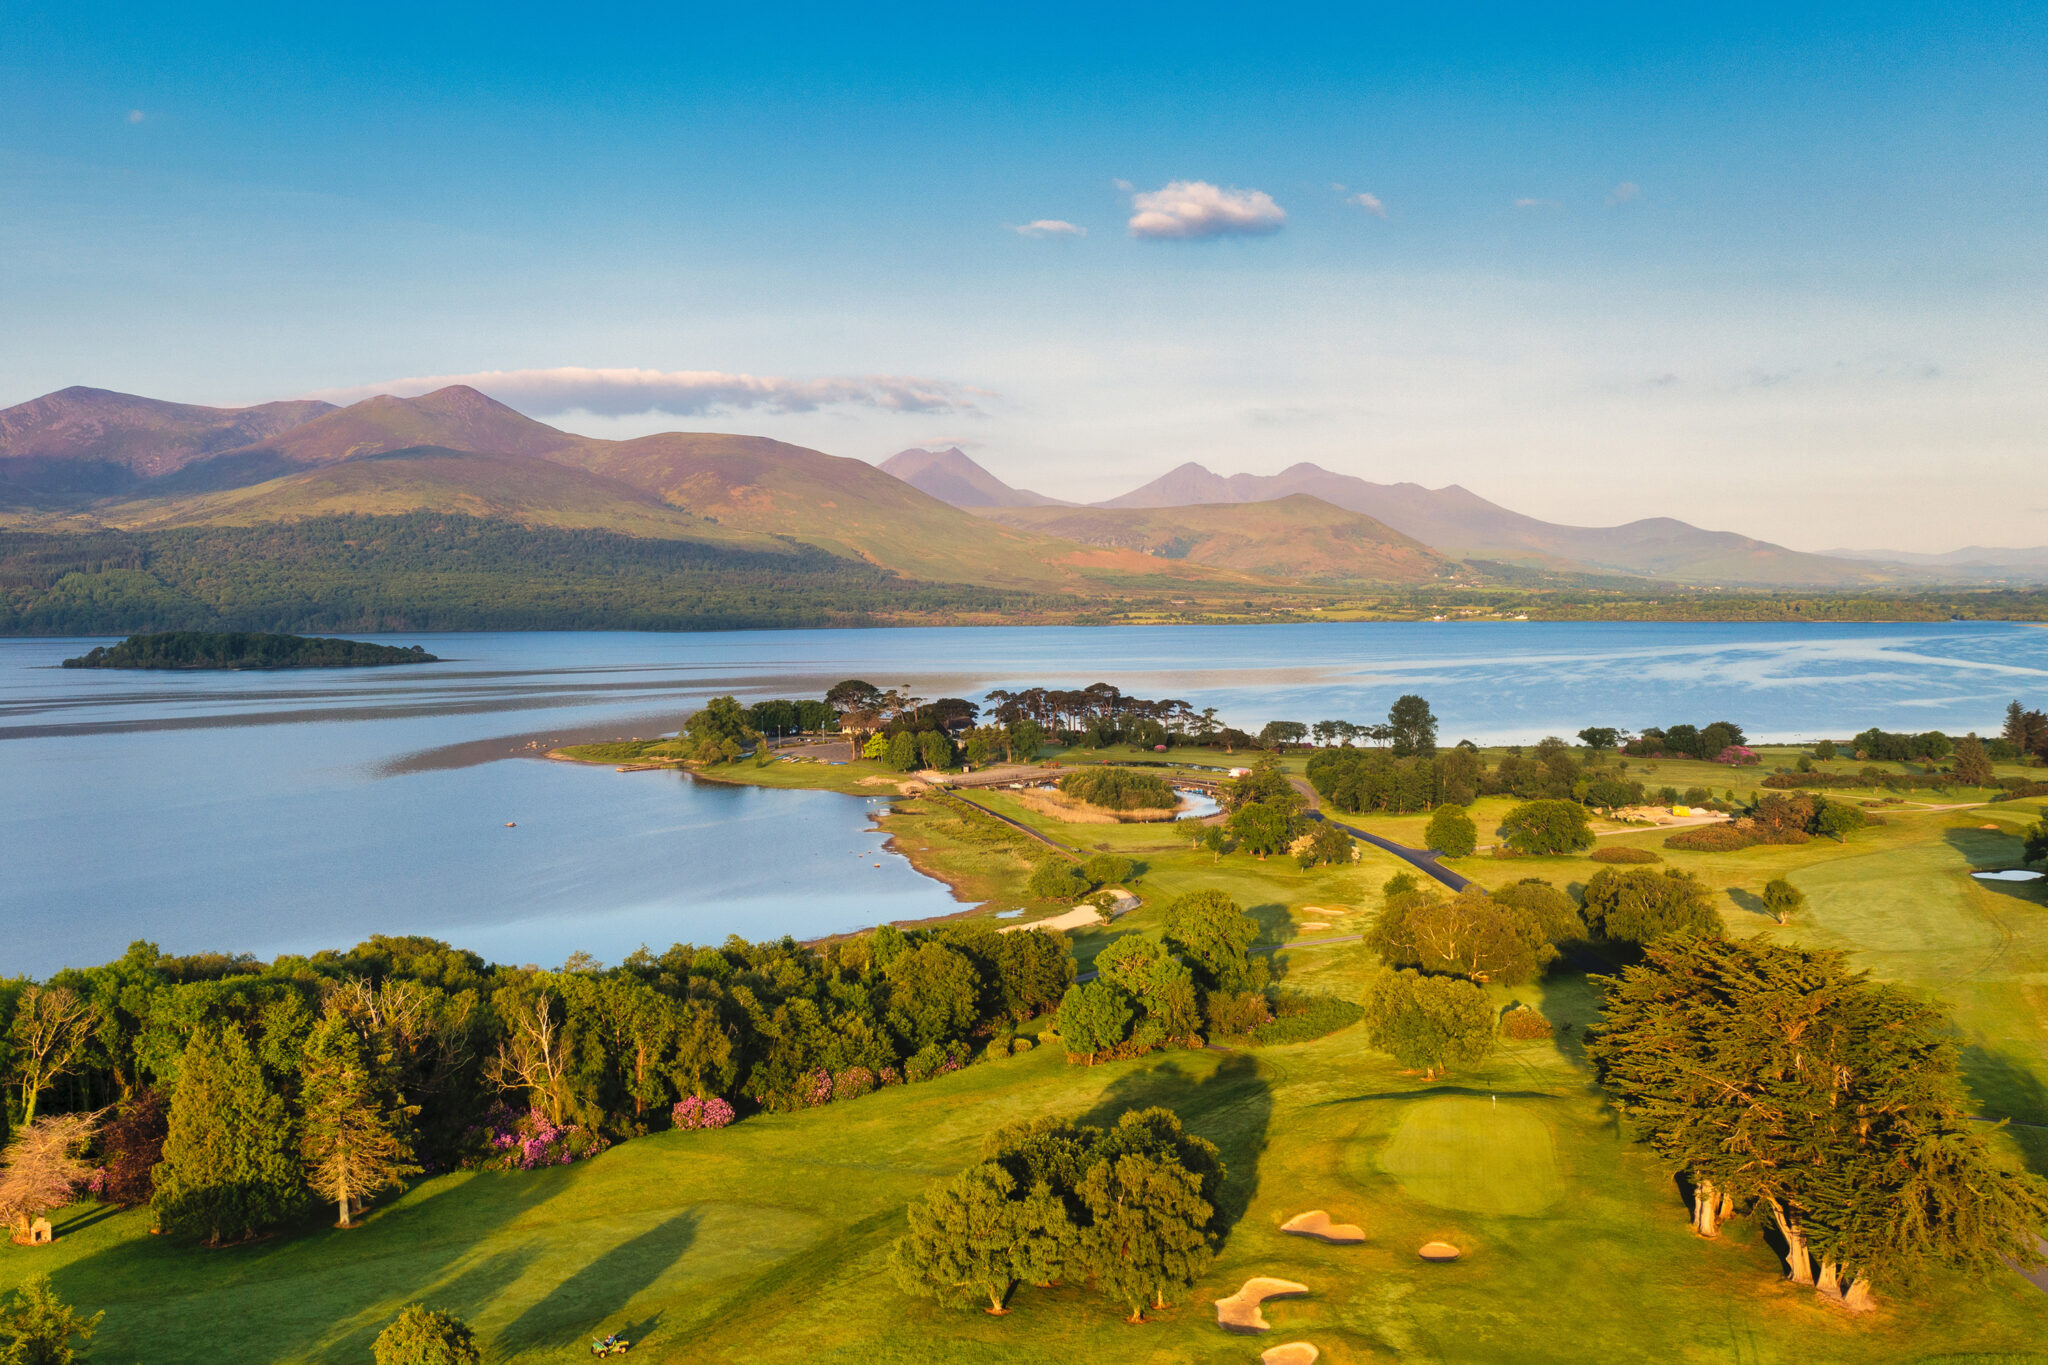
x=1458 y=522
x=1974 y=562
x=458 y=451
x=950 y=476
x=81 y=442
x=1297 y=538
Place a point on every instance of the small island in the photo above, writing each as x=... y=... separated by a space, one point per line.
x=183 y=649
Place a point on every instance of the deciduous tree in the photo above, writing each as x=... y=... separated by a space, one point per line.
x=51 y=1028
x=1451 y=832
x=41 y=1170
x=1639 y=905
x=1783 y=899
x=1413 y=726
x=1547 y=827
x=1430 y=1023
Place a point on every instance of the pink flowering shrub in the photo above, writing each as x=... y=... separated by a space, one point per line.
x=1736 y=756
x=528 y=1140
x=852 y=1083
x=691 y=1112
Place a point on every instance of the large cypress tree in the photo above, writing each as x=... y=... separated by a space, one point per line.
x=229 y=1169
x=356 y=1136
x=1777 y=1079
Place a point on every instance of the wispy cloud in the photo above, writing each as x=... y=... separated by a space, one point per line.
x=136 y=116
x=680 y=393
x=1048 y=227
x=1188 y=209
x=1536 y=204
x=1369 y=202
x=1627 y=192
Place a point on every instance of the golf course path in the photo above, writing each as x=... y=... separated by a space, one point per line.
x=1422 y=859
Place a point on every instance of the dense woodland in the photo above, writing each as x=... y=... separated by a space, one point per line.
x=437 y=571
x=445 y=571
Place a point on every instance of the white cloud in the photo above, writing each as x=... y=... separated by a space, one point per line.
x=1627 y=192
x=1536 y=204
x=1049 y=227
x=1369 y=202
x=1195 y=208
x=136 y=116
x=681 y=393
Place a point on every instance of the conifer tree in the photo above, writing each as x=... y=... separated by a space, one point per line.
x=356 y=1136
x=38 y=1327
x=229 y=1168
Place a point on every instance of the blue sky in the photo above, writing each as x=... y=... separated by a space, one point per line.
x=1780 y=273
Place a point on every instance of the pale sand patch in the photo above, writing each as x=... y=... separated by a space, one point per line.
x=1240 y=1312
x=1293 y=1353
x=1313 y=924
x=1080 y=917
x=1316 y=1223
x=1438 y=1251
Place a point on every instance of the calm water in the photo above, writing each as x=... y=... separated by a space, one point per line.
x=293 y=811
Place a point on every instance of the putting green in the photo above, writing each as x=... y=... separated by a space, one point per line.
x=1460 y=1153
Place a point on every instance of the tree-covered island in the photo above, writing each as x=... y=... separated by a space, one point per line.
x=186 y=649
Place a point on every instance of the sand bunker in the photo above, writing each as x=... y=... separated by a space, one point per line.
x=1240 y=1312
x=1293 y=1353
x=1080 y=917
x=1316 y=1223
x=1314 y=924
x=2012 y=875
x=1438 y=1251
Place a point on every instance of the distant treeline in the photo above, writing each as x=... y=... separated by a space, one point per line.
x=180 y=649
x=437 y=571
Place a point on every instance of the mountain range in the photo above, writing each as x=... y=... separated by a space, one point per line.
x=1458 y=523
x=93 y=459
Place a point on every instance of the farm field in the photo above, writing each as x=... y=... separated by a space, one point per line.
x=768 y=1241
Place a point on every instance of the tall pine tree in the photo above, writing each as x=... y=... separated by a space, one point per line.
x=356 y=1136
x=229 y=1169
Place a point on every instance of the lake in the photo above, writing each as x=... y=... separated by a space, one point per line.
x=293 y=811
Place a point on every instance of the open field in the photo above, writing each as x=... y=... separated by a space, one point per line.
x=767 y=1241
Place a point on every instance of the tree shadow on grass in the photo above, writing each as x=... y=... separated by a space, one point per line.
x=2004 y=1086
x=1470 y=1092
x=601 y=1289
x=63 y=1226
x=1231 y=1107
x=395 y=1255
x=1750 y=901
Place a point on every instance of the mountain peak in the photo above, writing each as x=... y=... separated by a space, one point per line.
x=950 y=476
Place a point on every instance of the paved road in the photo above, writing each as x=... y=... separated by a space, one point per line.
x=1422 y=859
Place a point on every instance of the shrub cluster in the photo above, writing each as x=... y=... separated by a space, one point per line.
x=1303 y=1016
x=1524 y=1024
x=1622 y=853
x=1119 y=789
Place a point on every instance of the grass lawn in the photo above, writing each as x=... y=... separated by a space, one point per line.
x=767 y=1242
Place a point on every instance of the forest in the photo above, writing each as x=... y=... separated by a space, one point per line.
x=438 y=571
